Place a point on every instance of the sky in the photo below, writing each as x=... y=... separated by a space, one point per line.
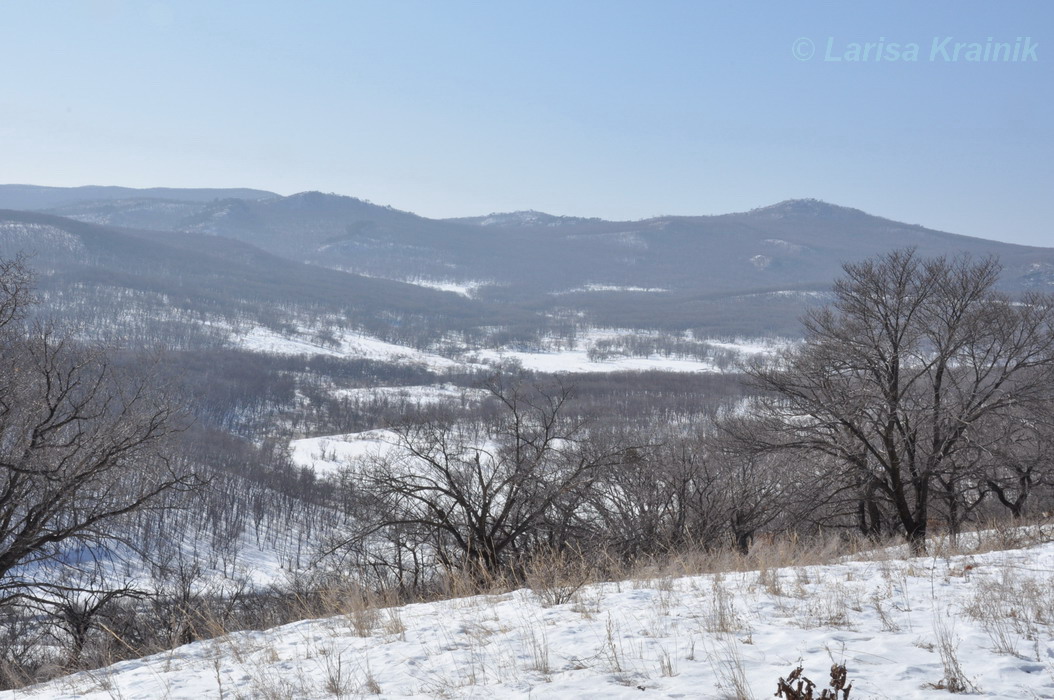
x=622 y=110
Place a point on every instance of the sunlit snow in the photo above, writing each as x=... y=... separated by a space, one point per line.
x=708 y=636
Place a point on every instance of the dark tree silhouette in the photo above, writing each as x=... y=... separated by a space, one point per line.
x=901 y=377
x=82 y=442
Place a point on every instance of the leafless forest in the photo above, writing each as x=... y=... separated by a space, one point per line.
x=142 y=479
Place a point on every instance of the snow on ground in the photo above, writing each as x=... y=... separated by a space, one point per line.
x=465 y=289
x=348 y=344
x=327 y=454
x=610 y=288
x=572 y=361
x=261 y=554
x=462 y=288
x=793 y=293
x=330 y=453
x=419 y=395
x=752 y=346
x=893 y=622
x=563 y=359
x=559 y=358
x=16 y=235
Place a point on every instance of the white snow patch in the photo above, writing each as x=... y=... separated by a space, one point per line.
x=329 y=454
x=555 y=355
x=577 y=361
x=348 y=344
x=761 y=261
x=563 y=359
x=610 y=288
x=785 y=245
x=752 y=346
x=419 y=395
x=465 y=289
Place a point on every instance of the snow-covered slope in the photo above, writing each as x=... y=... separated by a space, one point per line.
x=902 y=628
x=559 y=358
x=331 y=453
x=578 y=361
x=347 y=344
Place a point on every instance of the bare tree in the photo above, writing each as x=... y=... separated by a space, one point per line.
x=82 y=443
x=643 y=505
x=480 y=493
x=16 y=283
x=897 y=379
x=1019 y=456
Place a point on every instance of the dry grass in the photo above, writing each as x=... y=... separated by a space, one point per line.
x=557 y=576
x=1012 y=609
x=954 y=680
x=727 y=663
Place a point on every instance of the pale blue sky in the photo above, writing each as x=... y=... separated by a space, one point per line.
x=603 y=108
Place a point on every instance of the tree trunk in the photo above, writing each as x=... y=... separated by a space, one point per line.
x=917 y=538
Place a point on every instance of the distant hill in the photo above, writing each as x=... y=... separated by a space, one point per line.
x=114 y=270
x=522 y=218
x=748 y=272
x=34 y=197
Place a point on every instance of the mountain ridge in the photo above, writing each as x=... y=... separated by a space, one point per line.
x=33 y=197
x=670 y=271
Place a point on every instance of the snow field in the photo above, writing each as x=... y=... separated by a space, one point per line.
x=559 y=359
x=901 y=626
x=577 y=361
x=348 y=344
x=329 y=454
x=566 y=360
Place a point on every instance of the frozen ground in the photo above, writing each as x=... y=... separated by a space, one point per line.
x=330 y=453
x=752 y=346
x=348 y=344
x=577 y=361
x=327 y=454
x=566 y=360
x=902 y=627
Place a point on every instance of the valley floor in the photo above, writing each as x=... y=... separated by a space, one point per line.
x=904 y=628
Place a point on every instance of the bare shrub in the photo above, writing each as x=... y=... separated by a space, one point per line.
x=798 y=687
x=556 y=576
x=955 y=680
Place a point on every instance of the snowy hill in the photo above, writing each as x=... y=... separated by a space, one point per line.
x=705 y=266
x=904 y=628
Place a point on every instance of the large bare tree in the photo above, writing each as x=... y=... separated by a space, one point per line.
x=82 y=443
x=482 y=494
x=900 y=377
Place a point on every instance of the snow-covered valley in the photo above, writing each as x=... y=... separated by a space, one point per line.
x=557 y=356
